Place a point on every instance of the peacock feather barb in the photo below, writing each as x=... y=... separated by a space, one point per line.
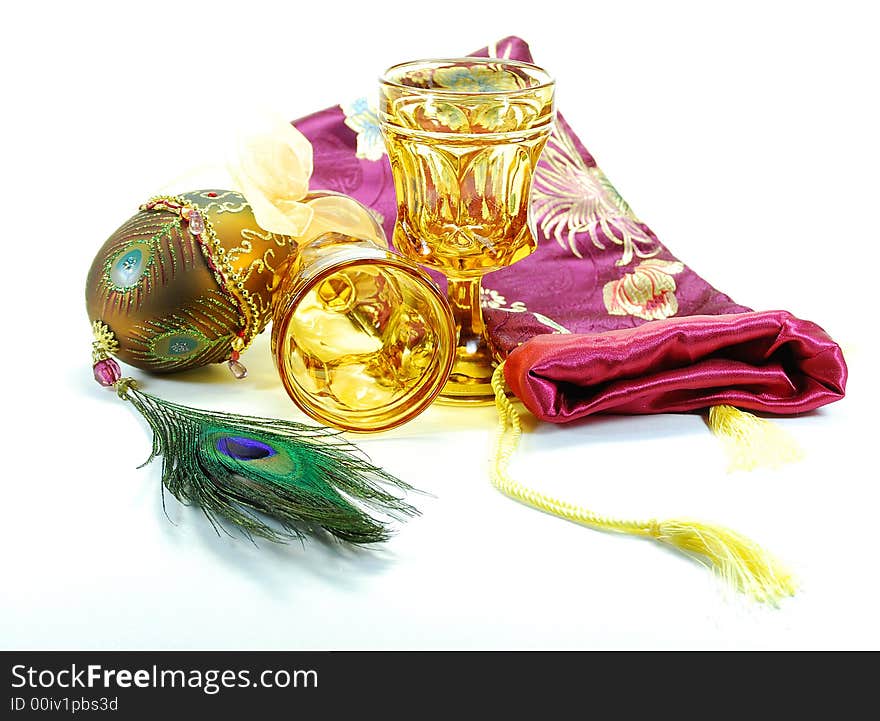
x=243 y=469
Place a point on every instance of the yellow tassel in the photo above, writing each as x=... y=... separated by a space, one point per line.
x=733 y=557
x=752 y=442
x=738 y=560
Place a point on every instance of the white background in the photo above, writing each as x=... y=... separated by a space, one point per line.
x=746 y=136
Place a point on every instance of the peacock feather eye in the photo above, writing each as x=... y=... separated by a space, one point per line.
x=126 y=269
x=242 y=448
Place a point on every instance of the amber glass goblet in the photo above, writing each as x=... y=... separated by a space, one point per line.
x=464 y=136
x=362 y=338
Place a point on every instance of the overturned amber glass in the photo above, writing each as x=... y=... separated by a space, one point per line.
x=362 y=338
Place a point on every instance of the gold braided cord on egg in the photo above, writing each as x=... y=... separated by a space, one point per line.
x=220 y=262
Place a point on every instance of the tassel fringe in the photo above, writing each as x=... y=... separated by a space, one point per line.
x=737 y=560
x=752 y=442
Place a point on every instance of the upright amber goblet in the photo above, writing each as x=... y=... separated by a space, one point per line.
x=464 y=136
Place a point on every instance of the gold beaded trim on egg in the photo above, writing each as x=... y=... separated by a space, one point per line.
x=228 y=278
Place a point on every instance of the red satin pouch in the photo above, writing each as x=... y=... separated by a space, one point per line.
x=769 y=361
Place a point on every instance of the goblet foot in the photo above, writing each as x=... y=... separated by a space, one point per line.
x=470 y=382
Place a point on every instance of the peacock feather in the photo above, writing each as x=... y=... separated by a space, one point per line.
x=244 y=469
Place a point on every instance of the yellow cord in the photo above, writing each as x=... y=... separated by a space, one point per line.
x=735 y=558
x=752 y=442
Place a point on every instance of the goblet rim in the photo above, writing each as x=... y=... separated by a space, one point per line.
x=403 y=409
x=548 y=83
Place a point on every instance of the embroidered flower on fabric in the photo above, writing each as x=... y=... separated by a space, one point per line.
x=361 y=117
x=574 y=199
x=648 y=292
x=490 y=298
x=493 y=299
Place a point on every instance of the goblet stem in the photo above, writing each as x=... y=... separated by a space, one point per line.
x=464 y=298
x=471 y=377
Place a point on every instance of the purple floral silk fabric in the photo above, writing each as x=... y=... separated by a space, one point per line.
x=599 y=276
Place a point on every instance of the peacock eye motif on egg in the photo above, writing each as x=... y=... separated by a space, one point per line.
x=178 y=345
x=197 y=333
x=126 y=269
x=141 y=259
